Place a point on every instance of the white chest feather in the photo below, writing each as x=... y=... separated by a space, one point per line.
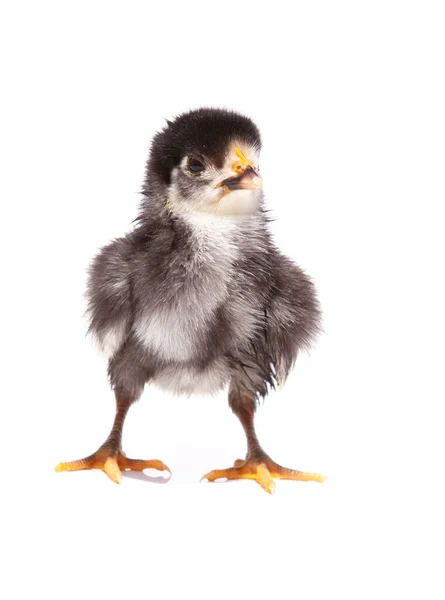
x=173 y=330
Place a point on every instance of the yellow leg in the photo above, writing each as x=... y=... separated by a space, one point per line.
x=112 y=464
x=109 y=458
x=263 y=470
x=257 y=465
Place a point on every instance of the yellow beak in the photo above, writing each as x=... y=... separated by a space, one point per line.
x=246 y=178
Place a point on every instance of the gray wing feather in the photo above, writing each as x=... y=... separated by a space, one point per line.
x=293 y=316
x=109 y=296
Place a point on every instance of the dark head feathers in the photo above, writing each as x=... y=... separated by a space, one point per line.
x=205 y=132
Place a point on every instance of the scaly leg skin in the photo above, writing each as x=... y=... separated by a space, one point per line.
x=257 y=465
x=109 y=457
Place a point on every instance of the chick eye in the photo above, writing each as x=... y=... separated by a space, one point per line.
x=194 y=165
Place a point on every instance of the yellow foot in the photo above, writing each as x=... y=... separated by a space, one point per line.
x=112 y=464
x=263 y=470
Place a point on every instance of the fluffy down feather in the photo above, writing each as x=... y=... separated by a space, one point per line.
x=190 y=301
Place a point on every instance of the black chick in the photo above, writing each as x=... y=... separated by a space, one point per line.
x=197 y=297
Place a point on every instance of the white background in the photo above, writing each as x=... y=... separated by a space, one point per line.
x=350 y=100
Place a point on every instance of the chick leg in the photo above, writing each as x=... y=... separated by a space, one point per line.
x=109 y=457
x=257 y=465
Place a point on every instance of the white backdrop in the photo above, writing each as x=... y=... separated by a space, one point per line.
x=350 y=100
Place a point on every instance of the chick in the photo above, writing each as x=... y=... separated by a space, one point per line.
x=197 y=297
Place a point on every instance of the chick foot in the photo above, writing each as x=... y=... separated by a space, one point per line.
x=112 y=463
x=263 y=470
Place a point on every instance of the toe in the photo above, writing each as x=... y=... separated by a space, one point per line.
x=231 y=473
x=111 y=468
x=264 y=478
x=291 y=474
x=135 y=464
x=74 y=465
x=212 y=475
